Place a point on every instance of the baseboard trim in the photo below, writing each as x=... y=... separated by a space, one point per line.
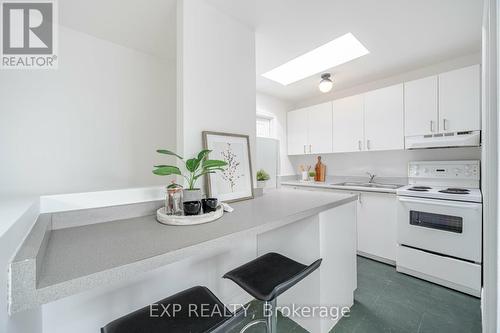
x=377 y=258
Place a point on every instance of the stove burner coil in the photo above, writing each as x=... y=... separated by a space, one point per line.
x=455 y=191
x=419 y=188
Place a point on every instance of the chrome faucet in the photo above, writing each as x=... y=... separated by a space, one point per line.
x=372 y=176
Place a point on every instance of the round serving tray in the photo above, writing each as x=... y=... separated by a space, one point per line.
x=163 y=218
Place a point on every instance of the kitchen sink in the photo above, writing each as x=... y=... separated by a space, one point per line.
x=371 y=185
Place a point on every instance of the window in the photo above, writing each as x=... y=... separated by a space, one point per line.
x=263 y=127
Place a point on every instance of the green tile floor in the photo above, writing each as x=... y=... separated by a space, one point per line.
x=391 y=302
x=388 y=301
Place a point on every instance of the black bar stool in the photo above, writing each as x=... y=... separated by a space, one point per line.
x=267 y=277
x=181 y=317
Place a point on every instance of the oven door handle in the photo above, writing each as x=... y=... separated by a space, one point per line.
x=444 y=203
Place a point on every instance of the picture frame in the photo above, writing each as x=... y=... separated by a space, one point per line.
x=236 y=182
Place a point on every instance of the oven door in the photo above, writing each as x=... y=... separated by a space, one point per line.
x=451 y=228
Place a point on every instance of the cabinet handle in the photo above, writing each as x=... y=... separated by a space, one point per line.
x=310 y=149
x=432 y=126
x=359 y=145
x=304 y=149
x=368 y=144
x=444 y=123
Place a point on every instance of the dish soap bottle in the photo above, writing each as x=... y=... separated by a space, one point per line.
x=320 y=169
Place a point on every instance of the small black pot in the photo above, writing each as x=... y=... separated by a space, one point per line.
x=209 y=205
x=192 y=208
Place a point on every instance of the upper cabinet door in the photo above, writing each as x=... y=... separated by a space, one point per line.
x=421 y=106
x=459 y=100
x=384 y=128
x=320 y=128
x=348 y=124
x=297 y=131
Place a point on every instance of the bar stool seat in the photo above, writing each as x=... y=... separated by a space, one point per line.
x=267 y=277
x=183 y=321
x=270 y=275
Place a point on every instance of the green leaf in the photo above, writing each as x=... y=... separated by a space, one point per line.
x=214 y=169
x=192 y=164
x=213 y=164
x=204 y=153
x=203 y=173
x=167 y=171
x=168 y=152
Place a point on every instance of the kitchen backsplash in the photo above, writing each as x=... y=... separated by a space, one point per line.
x=383 y=163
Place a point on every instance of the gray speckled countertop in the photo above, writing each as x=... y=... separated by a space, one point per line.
x=82 y=257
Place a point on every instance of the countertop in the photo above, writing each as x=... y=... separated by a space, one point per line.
x=79 y=258
x=328 y=185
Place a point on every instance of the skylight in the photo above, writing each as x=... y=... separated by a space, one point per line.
x=340 y=50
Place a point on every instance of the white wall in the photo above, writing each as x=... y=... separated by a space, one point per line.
x=277 y=108
x=92 y=124
x=383 y=163
x=216 y=75
x=490 y=168
x=445 y=66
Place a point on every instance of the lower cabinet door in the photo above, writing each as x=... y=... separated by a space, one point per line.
x=377 y=225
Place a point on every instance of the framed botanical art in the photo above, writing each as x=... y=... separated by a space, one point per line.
x=235 y=183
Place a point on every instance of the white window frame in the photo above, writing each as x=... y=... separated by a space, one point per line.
x=272 y=122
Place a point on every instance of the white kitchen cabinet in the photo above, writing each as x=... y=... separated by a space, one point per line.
x=297 y=131
x=377 y=226
x=310 y=130
x=348 y=124
x=376 y=222
x=459 y=100
x=319 y=128
x=384 y=127
x=421 y=106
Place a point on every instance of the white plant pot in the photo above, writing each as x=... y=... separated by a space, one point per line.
x=305 y=176
x=261 y=183
x=191 y=195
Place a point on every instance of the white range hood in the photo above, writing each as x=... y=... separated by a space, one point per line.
x=455 y=139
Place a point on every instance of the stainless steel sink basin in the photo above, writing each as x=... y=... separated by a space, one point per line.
x=390 y=186
x=353 y=184
x=371 y=185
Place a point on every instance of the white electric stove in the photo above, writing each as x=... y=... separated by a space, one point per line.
x=440 y=224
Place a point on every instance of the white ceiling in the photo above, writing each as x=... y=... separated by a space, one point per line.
x=401 y=35
x=148 y=26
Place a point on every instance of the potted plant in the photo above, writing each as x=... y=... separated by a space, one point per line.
x=195 y=167
x=262 y=177
x=312 y=175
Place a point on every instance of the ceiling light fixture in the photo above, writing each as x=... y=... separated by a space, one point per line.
x=326 y=84
x=336 y=52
